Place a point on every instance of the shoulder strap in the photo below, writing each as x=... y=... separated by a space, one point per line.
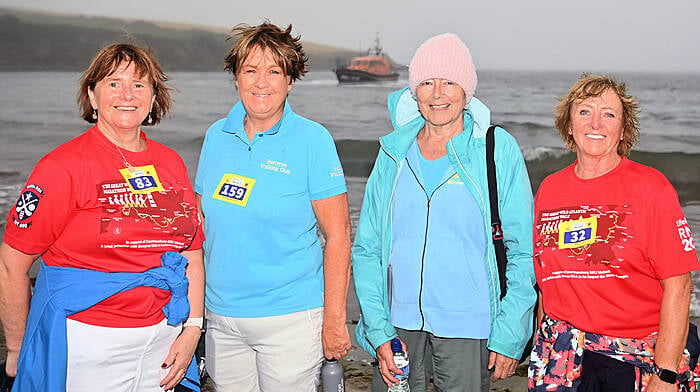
x=496 y=230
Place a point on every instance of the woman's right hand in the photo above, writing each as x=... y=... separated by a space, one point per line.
x=387 y=367
x=11 y=363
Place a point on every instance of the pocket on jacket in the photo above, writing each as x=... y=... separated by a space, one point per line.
x=456 y=279
x=405 y=260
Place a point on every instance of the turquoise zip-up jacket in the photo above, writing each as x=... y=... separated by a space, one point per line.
x=511 y=318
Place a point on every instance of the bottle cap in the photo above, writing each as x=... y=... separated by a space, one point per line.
x=396 y=345
x=331 y=360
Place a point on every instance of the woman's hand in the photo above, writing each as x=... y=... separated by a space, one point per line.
x=656 y=385
x=335 y=338
x=179 y=357
x=387 y=367
x=503 y=367
x=11 y=363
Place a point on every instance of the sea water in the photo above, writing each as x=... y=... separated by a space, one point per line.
x=38 y=111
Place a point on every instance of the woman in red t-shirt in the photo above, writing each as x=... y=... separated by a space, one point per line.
x=110 y=200
x=613 y=256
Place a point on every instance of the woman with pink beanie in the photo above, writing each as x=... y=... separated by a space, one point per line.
x=423 y=259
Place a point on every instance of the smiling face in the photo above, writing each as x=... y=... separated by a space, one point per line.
x=263 y=87
x=596 y=125
x=440 y=101
x=122 y=99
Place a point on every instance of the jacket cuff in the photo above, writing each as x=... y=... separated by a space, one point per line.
x=504 y=349
x=379 y=336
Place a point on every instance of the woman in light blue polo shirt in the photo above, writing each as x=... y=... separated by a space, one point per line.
x=275 y=299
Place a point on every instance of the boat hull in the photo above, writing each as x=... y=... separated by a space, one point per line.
x=347 y=75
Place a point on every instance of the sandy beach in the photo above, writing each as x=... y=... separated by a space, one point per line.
x=357 y=364
x=358 y=373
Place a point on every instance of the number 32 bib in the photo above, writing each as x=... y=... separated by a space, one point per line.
x=577 y=233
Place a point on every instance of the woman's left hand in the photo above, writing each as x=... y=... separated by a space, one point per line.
x=503 y=367
x=335 y=339
x=656 y=385
x=180 y=356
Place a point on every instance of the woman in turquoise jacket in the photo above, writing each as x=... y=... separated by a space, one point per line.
x=423 y=258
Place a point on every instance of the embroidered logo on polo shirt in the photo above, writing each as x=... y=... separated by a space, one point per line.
x=234 y=189
x=276 y=166
x=337 y=171
x=27 y=205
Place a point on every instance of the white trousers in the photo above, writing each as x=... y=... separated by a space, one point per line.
x=268 y=354
x=117 y=359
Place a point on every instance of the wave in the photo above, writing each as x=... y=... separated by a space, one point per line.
x=9 y=173
x=681 y=169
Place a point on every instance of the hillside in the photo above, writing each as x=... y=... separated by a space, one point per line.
x=35 y=41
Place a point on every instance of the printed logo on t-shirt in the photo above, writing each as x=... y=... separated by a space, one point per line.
x=155 y=220
x=684 y=234
x=27 y=205
x=591 y=237
x=234 y=189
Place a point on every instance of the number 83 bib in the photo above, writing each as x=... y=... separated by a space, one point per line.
x=142 y=179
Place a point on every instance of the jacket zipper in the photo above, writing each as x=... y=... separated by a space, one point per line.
x=386 y=224
x=425 y=241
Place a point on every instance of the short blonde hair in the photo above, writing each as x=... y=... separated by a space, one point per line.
x=106 y=62
x=285 y=49
x=589 y=85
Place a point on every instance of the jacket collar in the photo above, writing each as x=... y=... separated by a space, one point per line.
x=407 y=122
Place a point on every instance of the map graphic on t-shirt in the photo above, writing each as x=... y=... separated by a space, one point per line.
x=610 y=236
x=164 y=212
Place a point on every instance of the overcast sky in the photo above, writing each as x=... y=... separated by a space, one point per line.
x=588 y=35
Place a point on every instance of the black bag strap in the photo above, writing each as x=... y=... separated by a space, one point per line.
x=496 y=229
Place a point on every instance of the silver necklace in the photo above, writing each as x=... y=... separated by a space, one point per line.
x=119 y=148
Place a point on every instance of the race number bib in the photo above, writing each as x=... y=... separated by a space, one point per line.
x=576 y=233
x=142 y=179
x=234 y=189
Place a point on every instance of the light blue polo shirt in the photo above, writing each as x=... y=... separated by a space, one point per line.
x=262 y=255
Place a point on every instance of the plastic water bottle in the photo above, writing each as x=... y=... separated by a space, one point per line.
x=401 y=362
x=332 y=376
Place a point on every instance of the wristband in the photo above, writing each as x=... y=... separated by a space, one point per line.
x=193 y=322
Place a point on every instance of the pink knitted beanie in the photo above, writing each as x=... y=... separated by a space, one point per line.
x=444 y=56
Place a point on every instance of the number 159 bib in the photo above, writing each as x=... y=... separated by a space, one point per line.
x=234 y=189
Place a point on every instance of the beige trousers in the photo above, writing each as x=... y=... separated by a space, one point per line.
x=267 y=354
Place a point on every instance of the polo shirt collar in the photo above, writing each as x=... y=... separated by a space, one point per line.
x=234 y=121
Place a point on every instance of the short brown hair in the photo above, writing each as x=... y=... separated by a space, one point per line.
x=285 y=49
x=106 y=62
x=587 y=86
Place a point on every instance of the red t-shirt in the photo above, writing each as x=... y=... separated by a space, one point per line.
x=78 y=211
x=603 y=245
